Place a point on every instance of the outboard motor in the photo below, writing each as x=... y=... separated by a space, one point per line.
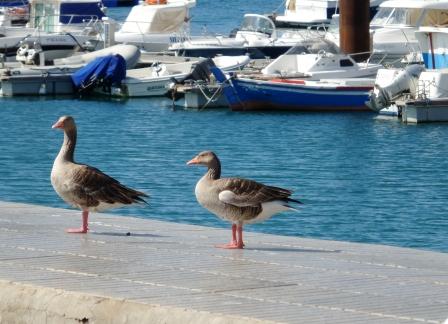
x=30 y=55
x=200 y=72
x=388 y=87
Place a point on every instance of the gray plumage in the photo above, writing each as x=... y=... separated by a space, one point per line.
x=237 y=200
x=83 y=186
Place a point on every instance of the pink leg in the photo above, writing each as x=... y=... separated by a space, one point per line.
x=236 y=243
x=85 y=222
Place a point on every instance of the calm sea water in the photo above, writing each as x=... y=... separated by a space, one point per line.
x=361 y=179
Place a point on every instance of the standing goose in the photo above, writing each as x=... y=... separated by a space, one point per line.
x=240 y=201
x=83 y=186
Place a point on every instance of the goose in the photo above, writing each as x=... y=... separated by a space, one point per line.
x=240 y=201
x=83 y=186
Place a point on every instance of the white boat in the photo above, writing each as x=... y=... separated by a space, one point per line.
x=155 y=80
x=320 y=65
x=257 y=36
x=153 y=27
x=397 y=21
x=417 y=93
x=56 y=80
x=59 y=27
x=312 y=13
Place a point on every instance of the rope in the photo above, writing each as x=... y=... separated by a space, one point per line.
x=281 y=5
x=213 y=98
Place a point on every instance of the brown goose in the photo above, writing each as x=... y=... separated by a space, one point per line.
x=83 y=186
x=237 y=200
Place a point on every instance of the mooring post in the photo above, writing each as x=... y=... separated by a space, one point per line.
x=354 y=27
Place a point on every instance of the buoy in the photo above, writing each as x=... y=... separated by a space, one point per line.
x=156 y=2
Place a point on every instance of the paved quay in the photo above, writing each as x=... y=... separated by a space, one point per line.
x=171 y=273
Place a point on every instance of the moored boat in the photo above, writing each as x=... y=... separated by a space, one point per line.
x=257 y=36
x=310 y=13
x=153 y=25
x=295 y=94
x=396 y=22
x=57 y=80
x=416 y=93
x=155 y=80
x=58 y=28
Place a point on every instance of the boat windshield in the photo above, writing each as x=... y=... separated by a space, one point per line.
x=258 y=24
x=381 y=17
x=397 y=17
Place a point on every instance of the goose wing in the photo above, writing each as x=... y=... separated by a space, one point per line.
x=243 y=192
x=91 y=187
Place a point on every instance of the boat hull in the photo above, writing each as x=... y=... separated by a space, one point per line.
x=259 y=52
x=34 y=85
x=146 y=88
x=424 y=111
x=247 y=94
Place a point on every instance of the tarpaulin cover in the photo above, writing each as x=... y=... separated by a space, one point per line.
x=11 y=3
x=76 y=13
x=106 y=70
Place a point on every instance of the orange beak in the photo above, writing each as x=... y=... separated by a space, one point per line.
x=193 y=161
x=58 y=124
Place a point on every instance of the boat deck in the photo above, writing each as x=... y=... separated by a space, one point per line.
x=153 y=271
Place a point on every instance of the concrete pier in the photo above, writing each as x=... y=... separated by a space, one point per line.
x=131 y=270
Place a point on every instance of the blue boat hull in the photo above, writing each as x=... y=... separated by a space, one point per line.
x=260 y=52
x=120 y=3
x=248 y=94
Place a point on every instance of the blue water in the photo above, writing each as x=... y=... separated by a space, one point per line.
x=361 y=179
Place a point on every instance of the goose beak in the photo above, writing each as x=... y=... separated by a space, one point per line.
x=194 y=160
x=58 y=124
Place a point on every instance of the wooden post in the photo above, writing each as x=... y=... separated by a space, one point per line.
x=354 y=27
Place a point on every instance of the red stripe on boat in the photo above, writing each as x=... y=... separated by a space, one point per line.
x=288 y=81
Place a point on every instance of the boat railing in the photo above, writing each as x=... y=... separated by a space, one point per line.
x=47 y=22
x=368 y=57
x=408 y=44
x=424 y=89
x=93 y=26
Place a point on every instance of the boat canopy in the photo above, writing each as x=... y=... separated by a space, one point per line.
x=435 y=14
x=155 y=19
x=422 y=4
x=12 y=3
x=78 y=12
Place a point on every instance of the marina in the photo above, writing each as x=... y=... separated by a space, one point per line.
x=331 y=137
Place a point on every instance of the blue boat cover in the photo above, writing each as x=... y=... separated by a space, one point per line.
x=78 y=12
x=105 y=70
x=12 y=3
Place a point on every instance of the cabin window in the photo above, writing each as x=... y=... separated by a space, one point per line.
x=345 y=62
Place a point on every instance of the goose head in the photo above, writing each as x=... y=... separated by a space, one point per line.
x=206 y=158
x=65 y=123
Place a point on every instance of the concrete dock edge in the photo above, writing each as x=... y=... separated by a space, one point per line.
x=23 y=303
